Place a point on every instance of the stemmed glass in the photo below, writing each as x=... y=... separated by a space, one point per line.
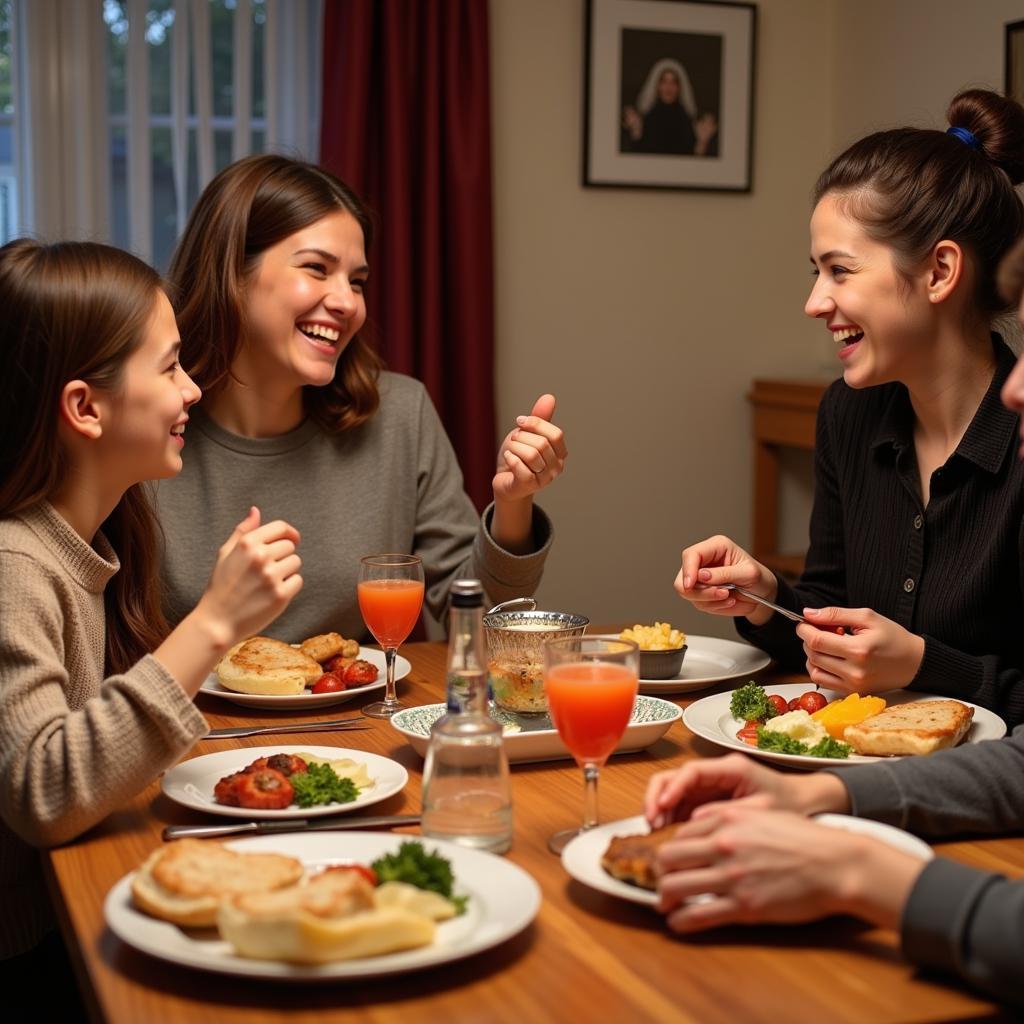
x=591 y=686
x=390 y=592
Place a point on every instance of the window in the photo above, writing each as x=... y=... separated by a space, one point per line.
x=175 y=90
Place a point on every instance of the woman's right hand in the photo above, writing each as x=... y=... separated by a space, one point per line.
x=254 y=579
x=717 y=560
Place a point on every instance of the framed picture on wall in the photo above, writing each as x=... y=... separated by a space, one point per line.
x=668 y=94
x=1014 y=70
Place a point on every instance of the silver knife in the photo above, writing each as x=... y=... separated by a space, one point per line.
x=764 y=600
x=258 y=828
x=260 y=730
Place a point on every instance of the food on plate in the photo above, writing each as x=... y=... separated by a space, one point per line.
x=360 y=672
x=329 y=682
x=415 y=865
x=278 y=781
x=327 y=663
x=329 y=645
x=269 y=908
x=261 y=789
x=750 y=704
x=768 y=726
x=336 y=916
x=921 y=727
x=185 y=882
x=659 y=637
x=796 y=732
x=631 y=858
x=262 y=665
x=837 y=716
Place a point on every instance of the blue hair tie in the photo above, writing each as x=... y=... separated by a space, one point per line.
x=964 y=136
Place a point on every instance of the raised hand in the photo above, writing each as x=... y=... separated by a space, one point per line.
x=531 y=456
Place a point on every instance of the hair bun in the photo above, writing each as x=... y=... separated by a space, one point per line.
x=997 y=122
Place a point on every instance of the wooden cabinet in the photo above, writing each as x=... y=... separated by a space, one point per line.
x=784 y=417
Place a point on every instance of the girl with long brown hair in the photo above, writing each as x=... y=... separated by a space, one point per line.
x=917 y=533
x=95 y=694
x=269 y=284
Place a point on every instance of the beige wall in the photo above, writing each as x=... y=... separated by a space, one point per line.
x=648 y=313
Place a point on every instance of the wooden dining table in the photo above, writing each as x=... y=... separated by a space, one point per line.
x=587 y=956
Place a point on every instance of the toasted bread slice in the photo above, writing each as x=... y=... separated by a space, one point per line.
x=631 y=858
x=265 y=666
x=334 y=917
x=921 y=727
x=186 y=881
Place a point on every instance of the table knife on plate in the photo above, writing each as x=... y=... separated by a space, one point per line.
x=259 y=828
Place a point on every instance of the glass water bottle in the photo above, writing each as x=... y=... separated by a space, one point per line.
x=467 y=798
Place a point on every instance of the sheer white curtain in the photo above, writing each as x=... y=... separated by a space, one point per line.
x=210 y=80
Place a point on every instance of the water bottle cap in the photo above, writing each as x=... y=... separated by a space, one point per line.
x=467 y=594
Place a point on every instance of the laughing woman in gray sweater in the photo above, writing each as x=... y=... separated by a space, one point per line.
x=299 y=419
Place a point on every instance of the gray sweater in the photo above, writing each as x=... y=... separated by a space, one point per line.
x=392 y=484
x=958 y=919
x=73 y=745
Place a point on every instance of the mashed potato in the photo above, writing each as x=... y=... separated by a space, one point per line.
x=659 y=637
x=797 y=725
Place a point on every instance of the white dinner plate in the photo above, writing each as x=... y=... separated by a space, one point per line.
x=709 y=660
x=191 y=782
x=534 y=738
x=503 y=900
x=710 y=718
x=581 y=858
x=306 y=701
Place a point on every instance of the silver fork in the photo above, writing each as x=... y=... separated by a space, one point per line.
x=334 y=725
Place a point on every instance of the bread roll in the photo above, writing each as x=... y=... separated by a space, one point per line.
x=185 y=882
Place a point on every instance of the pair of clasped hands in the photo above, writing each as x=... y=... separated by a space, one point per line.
x=852 y=650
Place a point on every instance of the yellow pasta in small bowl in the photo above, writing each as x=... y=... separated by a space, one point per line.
x=662 y=649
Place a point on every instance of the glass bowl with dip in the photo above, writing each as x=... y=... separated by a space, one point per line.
x=515 y=652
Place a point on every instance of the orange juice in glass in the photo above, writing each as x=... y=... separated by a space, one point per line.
x=591 y=686
x=390 y=592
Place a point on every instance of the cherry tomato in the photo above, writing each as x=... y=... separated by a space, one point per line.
x=329 y=682
x=794 y=704
x=779 y=703
x=748 y=734
x=361 y=672
x=360 y=869
x=812 y=701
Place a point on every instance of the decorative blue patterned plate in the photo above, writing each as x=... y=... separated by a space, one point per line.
x=534 y=738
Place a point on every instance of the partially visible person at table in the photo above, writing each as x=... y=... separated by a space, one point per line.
x=917 y=533
x=95 y=404
x=270 y=279
x=746 y=841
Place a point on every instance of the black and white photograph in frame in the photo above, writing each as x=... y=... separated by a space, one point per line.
x=668 y=94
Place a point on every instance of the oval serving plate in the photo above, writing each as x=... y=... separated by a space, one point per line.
x=535 y=738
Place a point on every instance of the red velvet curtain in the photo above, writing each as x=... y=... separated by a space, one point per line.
x=406 y=123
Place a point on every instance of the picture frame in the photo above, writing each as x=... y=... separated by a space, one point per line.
x=1014 y=63
x=668 y=94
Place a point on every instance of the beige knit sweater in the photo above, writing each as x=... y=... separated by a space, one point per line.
x=73 y=745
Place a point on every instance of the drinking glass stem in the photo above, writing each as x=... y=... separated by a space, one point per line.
x=389 y=663
x=590 y=773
